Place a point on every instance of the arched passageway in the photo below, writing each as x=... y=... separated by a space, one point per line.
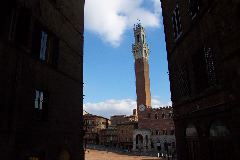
x=221 y=147
x=139 y=142
x=192 y=142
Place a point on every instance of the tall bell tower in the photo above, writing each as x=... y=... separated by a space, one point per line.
x=140 y=51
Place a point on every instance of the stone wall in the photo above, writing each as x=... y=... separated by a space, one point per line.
x=61 y=132
x=198 y=99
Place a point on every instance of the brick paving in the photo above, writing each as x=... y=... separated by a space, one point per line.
x=91 y=154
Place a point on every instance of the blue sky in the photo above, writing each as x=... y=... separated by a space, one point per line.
x=108 y=61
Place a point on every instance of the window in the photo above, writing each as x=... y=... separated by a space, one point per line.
x=176 y=20
x=193 y=8
x=156 y=116
x=210 y=64
x=172 y=131
x=40 y=105
x=180 y=81
x=170 y=115
x=157 y=132
x=163 y=115
x=164 y=132
x=200 y=71
x=138 y=38
x=145 y=52
x=45 y=45
x=204 y=69
x=143 y=38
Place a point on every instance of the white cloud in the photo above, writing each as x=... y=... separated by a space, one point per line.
x=157 y=6
x=111 y=18
x=117 y=107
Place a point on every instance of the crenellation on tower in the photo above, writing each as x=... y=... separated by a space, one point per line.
x=140 y=48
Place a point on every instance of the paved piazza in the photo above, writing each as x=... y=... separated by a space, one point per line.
x=104 y=155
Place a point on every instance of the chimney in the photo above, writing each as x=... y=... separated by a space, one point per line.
x=134 y=112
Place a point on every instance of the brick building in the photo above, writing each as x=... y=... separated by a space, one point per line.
x=118 y=119
x=125 y=134
x=108 y=137
x=41 y=58
x=202 y=40
x=93 y=124
x=155 y=126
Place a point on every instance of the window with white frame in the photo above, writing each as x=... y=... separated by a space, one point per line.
x=176 y=21
x=38 y=100
x=43 y=46
x=40 y=105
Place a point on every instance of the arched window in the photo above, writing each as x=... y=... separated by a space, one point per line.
x=192 y=142
x=163 y=115
x=138 y=38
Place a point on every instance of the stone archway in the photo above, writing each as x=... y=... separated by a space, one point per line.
x=64 y=155
x=141 y=140
x=192 y=144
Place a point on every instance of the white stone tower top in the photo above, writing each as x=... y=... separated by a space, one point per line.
x=140 y=47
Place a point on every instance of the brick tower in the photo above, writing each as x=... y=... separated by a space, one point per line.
x=141 y=53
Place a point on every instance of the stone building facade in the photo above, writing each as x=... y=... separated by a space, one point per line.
x=202 y=40
x=156 y=131
x=41 y=58
x=93 y=124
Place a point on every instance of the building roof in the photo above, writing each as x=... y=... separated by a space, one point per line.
x=91 y=115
